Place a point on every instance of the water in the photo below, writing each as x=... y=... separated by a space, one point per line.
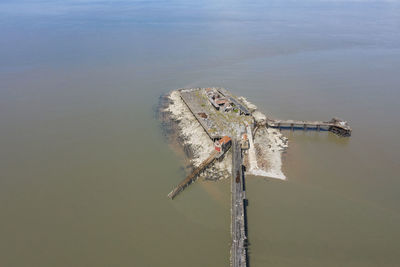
x=85 y=170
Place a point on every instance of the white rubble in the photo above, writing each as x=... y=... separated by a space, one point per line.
x=269 y=145
x=250 y=106
x=259 y=118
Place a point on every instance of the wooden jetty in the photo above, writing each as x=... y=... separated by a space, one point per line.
x=337 y=126
x=238 y=209
x=192 y=177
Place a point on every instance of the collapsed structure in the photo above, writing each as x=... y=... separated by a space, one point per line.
x=225 y=102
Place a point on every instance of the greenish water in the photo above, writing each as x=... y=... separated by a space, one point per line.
x=85 y=169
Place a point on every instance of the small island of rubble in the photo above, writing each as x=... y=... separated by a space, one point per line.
x=226 y=136
x=203 y=118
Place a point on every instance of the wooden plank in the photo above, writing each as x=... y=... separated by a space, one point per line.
x=191 y=177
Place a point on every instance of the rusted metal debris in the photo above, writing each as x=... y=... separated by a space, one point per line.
x=203 y=115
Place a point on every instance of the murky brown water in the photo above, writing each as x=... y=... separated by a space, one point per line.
x=85 y=169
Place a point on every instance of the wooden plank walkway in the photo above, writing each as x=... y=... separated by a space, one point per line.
x=336 y=126
x=192 y=177
x=238 y=211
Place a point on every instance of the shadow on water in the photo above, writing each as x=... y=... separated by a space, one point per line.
x=323 y=136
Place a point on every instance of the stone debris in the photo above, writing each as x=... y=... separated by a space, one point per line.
x=259 y=118
x=250 y=106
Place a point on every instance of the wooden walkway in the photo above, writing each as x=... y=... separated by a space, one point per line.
x=335 y=125
x=192 y=177
x=238 y=210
